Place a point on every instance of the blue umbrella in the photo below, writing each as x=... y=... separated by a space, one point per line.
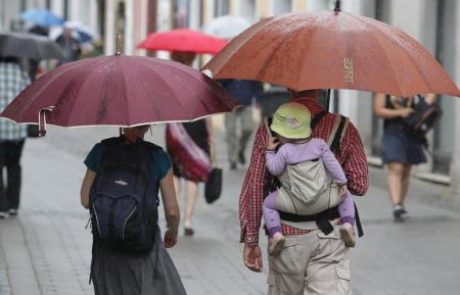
x=42 y=17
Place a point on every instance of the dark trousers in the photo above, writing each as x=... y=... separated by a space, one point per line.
x=10 y=184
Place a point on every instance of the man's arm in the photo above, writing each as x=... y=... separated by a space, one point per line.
x=354 y=161
x=251 y=198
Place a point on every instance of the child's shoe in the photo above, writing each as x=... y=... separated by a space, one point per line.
x=276 y=244
x=347 y=234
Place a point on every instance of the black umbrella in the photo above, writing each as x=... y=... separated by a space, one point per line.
x=28 y=45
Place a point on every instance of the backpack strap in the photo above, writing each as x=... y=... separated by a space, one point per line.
x=267 y=126
x=338 y=131
x=318 y=118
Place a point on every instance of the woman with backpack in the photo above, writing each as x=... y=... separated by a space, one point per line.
x=120 y=188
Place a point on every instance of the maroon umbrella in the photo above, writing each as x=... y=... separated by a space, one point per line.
x=119 y=90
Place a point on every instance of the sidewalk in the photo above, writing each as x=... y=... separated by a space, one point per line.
x=46 y=249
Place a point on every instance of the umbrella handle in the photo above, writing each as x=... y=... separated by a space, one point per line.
x=42 y=120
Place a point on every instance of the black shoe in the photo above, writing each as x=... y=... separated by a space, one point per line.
x=3 y=215
x=241 y=157
x=398 y=211
x=188 y=231
x=403 y=209
x=13 y=212
x=232 y=166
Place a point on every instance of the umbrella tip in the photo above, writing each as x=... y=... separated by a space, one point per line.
x=118 y=44
x=337 y=6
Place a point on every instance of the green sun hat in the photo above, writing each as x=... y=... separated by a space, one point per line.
x=292 y=120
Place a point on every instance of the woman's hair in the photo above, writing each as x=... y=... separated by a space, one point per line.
x=185 y=58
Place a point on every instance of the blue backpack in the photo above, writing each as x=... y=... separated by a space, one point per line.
x=124 y=197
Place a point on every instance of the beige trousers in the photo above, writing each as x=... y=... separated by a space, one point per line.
x=311 y=264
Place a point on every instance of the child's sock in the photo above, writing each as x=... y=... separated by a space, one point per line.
x=274 y=230
x=347 y=219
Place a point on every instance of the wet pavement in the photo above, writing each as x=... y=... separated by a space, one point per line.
x=46 y=249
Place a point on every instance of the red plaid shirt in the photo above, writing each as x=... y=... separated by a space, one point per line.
x=351 y=156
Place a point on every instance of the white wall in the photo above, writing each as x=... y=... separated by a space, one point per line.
x=455 y=166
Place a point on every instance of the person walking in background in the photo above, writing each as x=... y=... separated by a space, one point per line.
x=34 y=64
x=400 y=148
x=239 y=124
x=183 y=153
x=299 y=165
x=324 y=259
x=13 y=79
x=70 y=46
x=118 y=268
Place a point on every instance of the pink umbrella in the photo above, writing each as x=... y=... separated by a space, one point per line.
x=121 y=91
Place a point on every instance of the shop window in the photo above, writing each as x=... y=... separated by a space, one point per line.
x=282 y=6
x=221 y=7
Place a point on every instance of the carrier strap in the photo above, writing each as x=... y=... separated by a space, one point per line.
x=323 y=219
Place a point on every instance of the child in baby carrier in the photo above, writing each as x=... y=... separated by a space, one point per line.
x=302 y=187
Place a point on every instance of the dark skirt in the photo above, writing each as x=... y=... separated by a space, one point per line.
x=115 y=273
x=400 y=145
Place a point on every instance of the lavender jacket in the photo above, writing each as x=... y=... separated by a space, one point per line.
x=316 y=148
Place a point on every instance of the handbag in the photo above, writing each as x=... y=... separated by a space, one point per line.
x=213 y=186
x=32 y=131
x=424 y=117
x=190 y=158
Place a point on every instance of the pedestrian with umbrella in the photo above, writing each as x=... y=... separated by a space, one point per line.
x=129 y=92
x=142 y=262
x=42 y=17
x=13 y=79
x=196 y=140
x=239 y=125
x=326 y=49
x=189 y=144
x=69 y=44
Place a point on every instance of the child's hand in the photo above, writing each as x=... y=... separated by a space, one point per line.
x=273 y=142
x=343 y=190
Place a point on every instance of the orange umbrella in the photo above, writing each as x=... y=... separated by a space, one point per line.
x=332 y=49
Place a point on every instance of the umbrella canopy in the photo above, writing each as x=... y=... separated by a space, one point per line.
x=79 y=31
x=226 y=26
x=121 y=91
x=41 y=17
x=332 y=49
x=183 y=40
x=28 y=46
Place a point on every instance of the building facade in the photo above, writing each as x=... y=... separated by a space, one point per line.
x=85 y=11
x=434 y=23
